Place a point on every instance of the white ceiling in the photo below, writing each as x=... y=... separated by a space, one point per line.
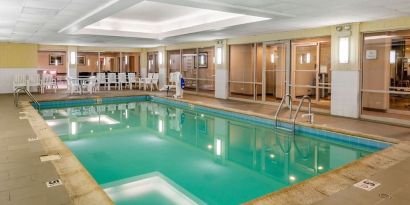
x=55 y=21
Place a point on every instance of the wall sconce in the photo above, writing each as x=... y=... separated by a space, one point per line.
x=56 y=62
x=219 y=55
x=308 y=58
x=73 y=57
x=344 y=50
x=392 y=57
x=126 y=60
x=160 y=58
x=272 y=58
x=202 y=60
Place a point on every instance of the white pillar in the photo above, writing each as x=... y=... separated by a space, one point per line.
x=221 y=71
x=143 y=63
x=346 y=76
x=162 y=66
x=71 y=61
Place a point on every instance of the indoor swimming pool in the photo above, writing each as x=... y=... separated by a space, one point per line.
x=150 y=150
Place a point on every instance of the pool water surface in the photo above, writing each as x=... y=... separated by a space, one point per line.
x=149 y=152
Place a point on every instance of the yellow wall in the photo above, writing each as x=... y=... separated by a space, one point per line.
x=15 y=55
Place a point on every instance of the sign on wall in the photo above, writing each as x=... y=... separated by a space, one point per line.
x=371 y=54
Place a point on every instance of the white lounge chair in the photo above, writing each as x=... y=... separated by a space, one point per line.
x=132 y=80
x=19 y=81
x=172 y=82
x=33 y=81
x=90 y=85
x=154 y=81
x=48 y=82
x=112 y=79
x=101 y=80
x=73 y=85
x=122 y=79
x=147 y=81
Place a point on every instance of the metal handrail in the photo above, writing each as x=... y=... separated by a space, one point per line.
x=280 y=107
x=300 y=105
x=28 y=93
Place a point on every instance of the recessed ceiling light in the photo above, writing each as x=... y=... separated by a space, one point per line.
x=40 y=11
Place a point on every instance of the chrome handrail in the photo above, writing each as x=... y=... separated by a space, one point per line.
x=280 y=107
x=298 y=109
x=28 y=93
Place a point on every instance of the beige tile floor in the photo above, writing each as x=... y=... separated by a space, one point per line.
x=22 y=175
x=393 y=178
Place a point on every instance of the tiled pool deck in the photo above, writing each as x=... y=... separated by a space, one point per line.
x=389 y=167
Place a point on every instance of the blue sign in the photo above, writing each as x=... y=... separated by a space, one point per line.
x=182 y=83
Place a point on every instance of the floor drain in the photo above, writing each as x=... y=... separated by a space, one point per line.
x=54 y=183
x=46 y=158
x=385 y=196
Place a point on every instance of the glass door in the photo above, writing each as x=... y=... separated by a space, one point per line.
x=305 y=70
x=189 y=69
x=276 y=64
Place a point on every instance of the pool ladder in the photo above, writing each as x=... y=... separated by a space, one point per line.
x=309 y=115
x=28 y=93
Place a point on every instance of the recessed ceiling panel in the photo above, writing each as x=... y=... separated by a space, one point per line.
x=160 y=20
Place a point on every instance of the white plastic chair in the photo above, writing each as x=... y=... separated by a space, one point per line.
x=101 y=80
x=172 y=82
x=19 y=81
x=90 y=86
x=132 y=80
x=154 y=81
x=147 y=81
x=112 y=79
x=48 y=81
x=122 y=79
x=33 y=81
x=73 y=85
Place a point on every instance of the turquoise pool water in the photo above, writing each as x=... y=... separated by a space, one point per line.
x=156 y=151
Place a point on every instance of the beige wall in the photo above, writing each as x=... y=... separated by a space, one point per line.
x=92 y=58
x=44 y=62
x=16 y=55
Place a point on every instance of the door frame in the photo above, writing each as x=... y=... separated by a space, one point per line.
x=287 y=46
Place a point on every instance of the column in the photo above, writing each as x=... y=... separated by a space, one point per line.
x=71 y=61
x=143 y=63
x=346 y=70
x=162 y=66
x=221 y=70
